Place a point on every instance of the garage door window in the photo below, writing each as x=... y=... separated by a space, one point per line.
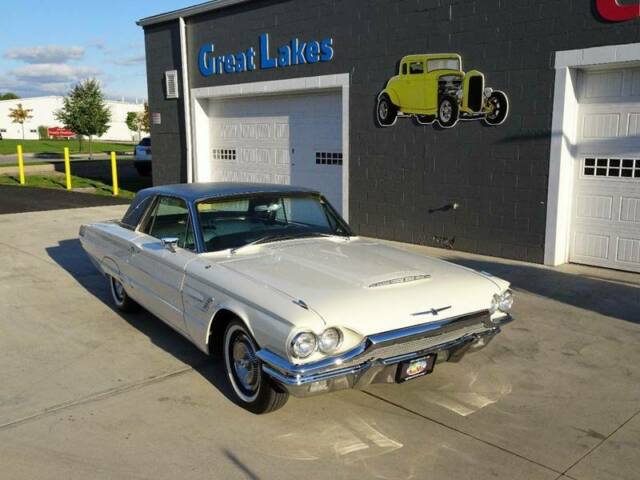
x=628 y=168
x=328 y=158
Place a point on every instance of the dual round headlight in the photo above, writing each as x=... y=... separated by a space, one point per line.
x=305 y=343
x=502 y=302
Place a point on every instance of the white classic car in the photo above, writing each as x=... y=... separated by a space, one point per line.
x=272 y=279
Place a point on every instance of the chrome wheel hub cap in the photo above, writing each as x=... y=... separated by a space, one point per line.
x=445 y=111
x=118 y=289
x=245 y=364
x=383 y=109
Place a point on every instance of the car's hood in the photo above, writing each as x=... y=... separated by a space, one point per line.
x=364 y=285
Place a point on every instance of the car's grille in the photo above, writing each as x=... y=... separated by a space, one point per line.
x=467 y=325
x=476 y=87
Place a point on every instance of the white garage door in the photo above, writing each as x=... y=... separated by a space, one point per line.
x=606 y=205
x=285 y=139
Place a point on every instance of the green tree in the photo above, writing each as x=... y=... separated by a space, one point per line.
x=144 y=119
x=84 y=112
x=133 y=122
x=139 y=121
x=9 y=96
x=20 y=115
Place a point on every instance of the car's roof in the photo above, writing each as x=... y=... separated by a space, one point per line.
x=430 y=56
x=198 y=191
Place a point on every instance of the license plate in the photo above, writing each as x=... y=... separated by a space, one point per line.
x=415 y=368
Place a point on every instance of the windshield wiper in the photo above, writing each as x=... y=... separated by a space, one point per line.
x=263 y=239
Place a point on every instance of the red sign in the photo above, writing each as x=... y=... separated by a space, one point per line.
x=612 y=11
x=59 y=132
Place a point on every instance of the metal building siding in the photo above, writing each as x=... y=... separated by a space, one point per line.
x=401 y=177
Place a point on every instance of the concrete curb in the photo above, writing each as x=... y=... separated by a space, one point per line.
x=47 y=168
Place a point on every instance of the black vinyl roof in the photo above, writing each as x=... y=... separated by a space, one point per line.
x=192 y=192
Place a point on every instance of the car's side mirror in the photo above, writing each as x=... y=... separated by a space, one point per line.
x=170 y=243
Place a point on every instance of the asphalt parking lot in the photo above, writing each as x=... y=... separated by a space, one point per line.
x=88 y=392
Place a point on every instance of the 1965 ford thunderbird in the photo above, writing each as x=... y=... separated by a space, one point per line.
x=272 y=279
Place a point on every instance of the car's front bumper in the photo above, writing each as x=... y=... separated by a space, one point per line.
x=376 y=359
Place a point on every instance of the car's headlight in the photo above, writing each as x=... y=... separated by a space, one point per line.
x=506 y=301
x=329 y=340
x=303 y=344
x=487 y=92
x=495 y=301
x=502 y=302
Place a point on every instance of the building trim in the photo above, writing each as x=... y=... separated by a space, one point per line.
x=564 y=134
x=188 y=12
x=185 y=95
x=275 y=87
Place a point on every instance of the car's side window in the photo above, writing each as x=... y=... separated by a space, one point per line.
x=404 y=69
x=170 y=218
x=135 y=213
x=416 y=68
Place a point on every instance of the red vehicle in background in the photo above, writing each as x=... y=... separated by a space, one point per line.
x=60 y=133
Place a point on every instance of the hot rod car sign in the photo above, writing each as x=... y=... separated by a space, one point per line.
x=434 y=88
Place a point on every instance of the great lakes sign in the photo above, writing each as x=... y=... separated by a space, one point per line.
x=613 y=11
x=294 y=52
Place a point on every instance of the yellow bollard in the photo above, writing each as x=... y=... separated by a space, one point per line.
x=21 y=164
x=67 y=167
x=114 y=174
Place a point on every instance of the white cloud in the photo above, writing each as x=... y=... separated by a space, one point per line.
x=129 y=61
x=45 y=78
x=45 y=54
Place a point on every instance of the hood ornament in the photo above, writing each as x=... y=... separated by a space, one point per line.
x=433 y=311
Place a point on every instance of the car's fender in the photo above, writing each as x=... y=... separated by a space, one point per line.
x=269 y=314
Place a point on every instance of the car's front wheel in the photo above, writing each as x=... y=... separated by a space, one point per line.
x=498 y=108
x=448 y=111
x=252 y=388
x=386 y=111
x=120 y=297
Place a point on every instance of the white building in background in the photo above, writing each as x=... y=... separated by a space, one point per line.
x=43 y=109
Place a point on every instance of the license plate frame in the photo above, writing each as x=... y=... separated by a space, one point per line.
x=416 y=368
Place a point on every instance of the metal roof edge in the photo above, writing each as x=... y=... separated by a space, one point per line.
x=188 y=11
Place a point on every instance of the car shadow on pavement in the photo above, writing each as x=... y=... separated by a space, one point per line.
x=70 y=255
x=606 y=296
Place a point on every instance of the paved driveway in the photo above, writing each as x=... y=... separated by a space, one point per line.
x=87 y=392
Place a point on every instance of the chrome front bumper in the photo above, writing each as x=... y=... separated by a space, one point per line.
x=376 y=359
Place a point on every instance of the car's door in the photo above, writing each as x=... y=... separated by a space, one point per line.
x=416 y=88
x=157 y=271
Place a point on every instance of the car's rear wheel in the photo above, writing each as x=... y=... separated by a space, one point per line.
x=386 y=111
x=120 y=297
x=448 y=111
x=252 y=388
x=499 y=108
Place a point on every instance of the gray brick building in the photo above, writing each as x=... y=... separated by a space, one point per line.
x=288 y=91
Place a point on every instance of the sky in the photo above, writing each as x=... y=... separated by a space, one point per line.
x=46 y=47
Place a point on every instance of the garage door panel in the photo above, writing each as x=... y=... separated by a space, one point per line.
x=276 y=139
x=594 y=207
x=630 y=209
x=588 y=245
x=629 y=251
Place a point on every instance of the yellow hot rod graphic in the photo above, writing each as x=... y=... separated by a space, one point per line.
x=433 y=87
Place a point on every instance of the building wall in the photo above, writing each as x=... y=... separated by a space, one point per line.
x=162 y=45
x=43 y=114
x=403 y=178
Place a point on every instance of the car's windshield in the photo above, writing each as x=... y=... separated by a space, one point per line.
x=444 y=64
x=234 y=223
